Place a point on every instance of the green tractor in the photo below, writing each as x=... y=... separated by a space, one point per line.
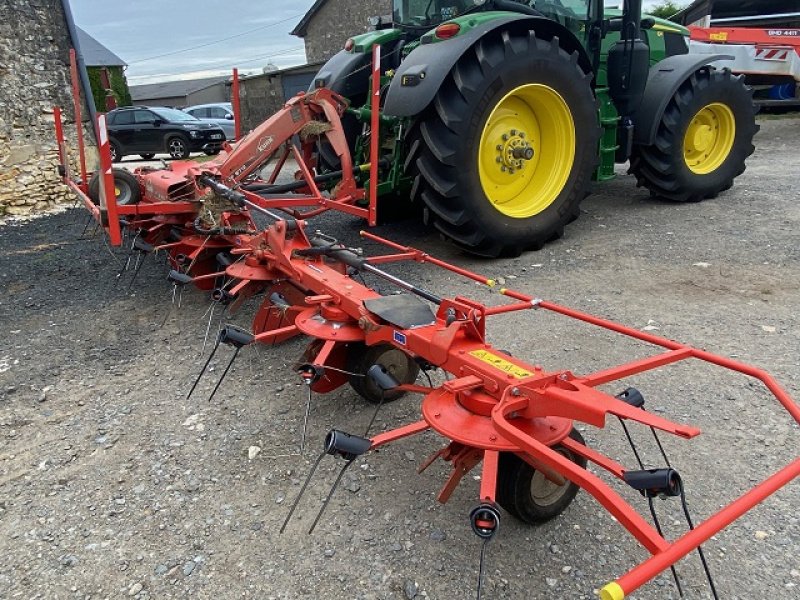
x=497 y=115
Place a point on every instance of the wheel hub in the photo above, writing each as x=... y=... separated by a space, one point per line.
x=709 y=138
x=514 y=152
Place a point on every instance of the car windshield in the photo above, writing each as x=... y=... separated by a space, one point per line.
x=172 y=114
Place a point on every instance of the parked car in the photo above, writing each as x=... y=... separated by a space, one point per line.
x=220 y=113
x=148 y=130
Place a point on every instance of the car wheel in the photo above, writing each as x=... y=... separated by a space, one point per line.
x=178 y=148
x=116 y=151
x=148 y=156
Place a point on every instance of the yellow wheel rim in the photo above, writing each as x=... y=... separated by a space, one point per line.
x=709 y=138
x=526 y=150
x=117 y=191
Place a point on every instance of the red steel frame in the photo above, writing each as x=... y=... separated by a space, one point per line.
x=507 y=405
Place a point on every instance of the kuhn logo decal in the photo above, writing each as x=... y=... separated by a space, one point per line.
x=265 y=142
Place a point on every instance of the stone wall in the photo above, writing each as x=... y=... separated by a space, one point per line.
x=338 y=20
x=34 y=70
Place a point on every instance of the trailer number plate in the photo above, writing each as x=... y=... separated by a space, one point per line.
x=501 y=363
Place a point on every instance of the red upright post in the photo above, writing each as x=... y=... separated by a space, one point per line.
x=76 y=100
x=108 y=198
x=237 y=113
x=62 y=153
x=374 y=135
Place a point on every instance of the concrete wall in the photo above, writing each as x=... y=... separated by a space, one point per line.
x=338 y=20
x=34 y=59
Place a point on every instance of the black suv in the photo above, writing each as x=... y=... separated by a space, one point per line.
x=147 y=130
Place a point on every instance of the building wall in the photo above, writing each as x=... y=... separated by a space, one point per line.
x=34 y=59
x=173 y=101
x=215 y=93
x=263 y=95
x=338 y=20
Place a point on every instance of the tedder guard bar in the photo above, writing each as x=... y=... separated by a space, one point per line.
x=503 y=397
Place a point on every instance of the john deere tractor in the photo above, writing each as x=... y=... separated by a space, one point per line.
x=497 y=115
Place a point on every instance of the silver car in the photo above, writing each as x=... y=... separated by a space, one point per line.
x=220 y=113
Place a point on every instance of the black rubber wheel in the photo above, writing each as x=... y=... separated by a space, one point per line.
x=116 y=151
x=499 y=100
x=177 y=147
x=527 y=494
x=126 y=187
x=211 y=152
x=148 y=156
x=703 y=139
x=361 y=357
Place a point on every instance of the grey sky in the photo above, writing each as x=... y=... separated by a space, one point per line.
x=140 y=29
x=136 y=30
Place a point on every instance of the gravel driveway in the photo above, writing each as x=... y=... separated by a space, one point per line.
x=113 y=485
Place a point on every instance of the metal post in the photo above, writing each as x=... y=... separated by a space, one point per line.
x=374 y=136
x=237 y=111
x=76 y=102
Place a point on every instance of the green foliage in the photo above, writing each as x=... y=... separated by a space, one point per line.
x=665 y=9
x=119 y=87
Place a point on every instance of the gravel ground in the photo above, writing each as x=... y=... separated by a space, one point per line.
x=113 y=485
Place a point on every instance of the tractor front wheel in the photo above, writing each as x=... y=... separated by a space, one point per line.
x=702 y=141
x=507 y=148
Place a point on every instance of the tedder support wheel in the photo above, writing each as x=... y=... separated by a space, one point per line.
x=530 y=496
x=507 y=148
x=126 y=187
x=703 y=139
x=148 y=156
x=361 y=357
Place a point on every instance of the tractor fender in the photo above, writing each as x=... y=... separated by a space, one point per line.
x=420 y=75
x=663 y=81
x=345 y=73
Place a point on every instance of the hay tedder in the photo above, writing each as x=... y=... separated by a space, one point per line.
x=513 y=418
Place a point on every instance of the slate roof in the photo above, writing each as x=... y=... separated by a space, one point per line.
x=95 y=54
x=174 y=89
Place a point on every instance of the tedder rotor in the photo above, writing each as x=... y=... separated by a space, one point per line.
x=513 y=418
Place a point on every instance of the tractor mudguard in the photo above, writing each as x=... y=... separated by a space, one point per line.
x=663 y=81
x=346 y=73
x=420 y=75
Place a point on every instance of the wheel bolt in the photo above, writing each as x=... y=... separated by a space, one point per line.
x=499 y=159
x=505 y=137
x=513 y=132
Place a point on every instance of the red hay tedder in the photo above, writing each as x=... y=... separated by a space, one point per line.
x=513 y=418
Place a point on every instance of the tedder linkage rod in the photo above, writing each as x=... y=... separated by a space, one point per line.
x=493 y=404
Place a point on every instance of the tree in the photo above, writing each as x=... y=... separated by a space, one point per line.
x=665 y=9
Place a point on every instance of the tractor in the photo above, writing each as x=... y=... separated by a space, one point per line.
x=498 y=115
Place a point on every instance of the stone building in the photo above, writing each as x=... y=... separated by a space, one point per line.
x=34 y=69
x=328 y=23
x=261 y=96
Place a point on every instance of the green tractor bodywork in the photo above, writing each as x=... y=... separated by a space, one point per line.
x=457 y=73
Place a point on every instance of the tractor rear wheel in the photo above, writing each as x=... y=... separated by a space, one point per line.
x=508 y=146
x=528 y=494
x=703 y=139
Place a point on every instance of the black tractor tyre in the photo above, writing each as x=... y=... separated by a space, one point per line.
x=448 y=137
x=361 y=357
x=516 y=481
x=116 y=151
x=148 y=156
x=663 y=167
x=126 y=186
x=178 y=147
